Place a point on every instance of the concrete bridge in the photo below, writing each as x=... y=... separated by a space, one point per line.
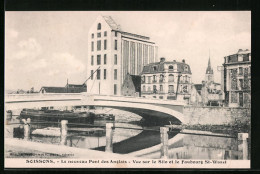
x=147 y=108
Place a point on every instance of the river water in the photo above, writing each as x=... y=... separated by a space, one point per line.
x=129 y=138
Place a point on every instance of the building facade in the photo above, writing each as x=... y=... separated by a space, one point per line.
x=236 y=79
x=208 y=93
x=112 y=53
x=166 y=80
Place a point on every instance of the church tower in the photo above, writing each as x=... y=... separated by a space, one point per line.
x=209 y=77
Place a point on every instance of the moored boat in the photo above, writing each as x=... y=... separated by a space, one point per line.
x=57 y=115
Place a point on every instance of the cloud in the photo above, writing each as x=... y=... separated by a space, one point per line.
x=65 y=63
x=28 y=49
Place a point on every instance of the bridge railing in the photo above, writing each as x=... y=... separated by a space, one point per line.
x=41 y=96
x=139 y=99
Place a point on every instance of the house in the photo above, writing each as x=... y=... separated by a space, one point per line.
x=236 y=79
x=131 y=86
x=166 y=80
x=69 y=88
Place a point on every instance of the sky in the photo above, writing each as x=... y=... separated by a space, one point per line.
x=47 y=48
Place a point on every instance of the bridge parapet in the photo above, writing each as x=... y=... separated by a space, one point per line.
x=38 y=96
x=139 y=100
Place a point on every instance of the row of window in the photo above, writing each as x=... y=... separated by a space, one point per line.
x=105 y=74
x=105 y=59
x=170 y=68
x=105 y=45
x=98 y=35
x=153 y=78
x=182 y=89
x=242 y=70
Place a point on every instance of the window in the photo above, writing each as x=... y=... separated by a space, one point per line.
x=233 y=97
x=98 y=74
x=161 y=78
x=180 y=89
x=154 y=89
x=143 y=79
x=105 y=33
x=240 y=71
x=105 y=59
x=154 y=68
x=99 y=26
x=99 y=34
x=105 y=44
x=115 y=89
x=171 y=67
x=154 y=78
x=170 y=89
x=186 y=68
x=149 y=79
x=92 y=35
x=241 y=83
x=171 y=78
x=115 y=59
x=149 y=88
x=99 y=45
x=161 y=88
x=115 y=33
x=98 y=59
x=115 y=44
x=92 y=46
x=91 y=74
x=185 y=89
x=92 y=60
x=115 y=74
x=246 y=57
x=105 y=74
x=144 y=88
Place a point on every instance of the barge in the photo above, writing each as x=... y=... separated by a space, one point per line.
x=57 y=115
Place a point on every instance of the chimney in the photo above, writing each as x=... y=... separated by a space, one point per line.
x=162 y=59
x=183 y=60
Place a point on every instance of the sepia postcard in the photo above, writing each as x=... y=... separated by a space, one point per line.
x=127 y=89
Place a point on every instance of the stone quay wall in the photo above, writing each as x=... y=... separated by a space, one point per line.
x=216 y=115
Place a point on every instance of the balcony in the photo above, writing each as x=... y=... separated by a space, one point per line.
x=171 y=92
x=154 y=81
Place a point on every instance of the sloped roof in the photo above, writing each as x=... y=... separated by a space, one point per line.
x=63 y=89
x=198 y=86
x=113 y=25
x=136 y=81
x=75 y=85
x=54 y=89
x=209 y=69
x=147 y=69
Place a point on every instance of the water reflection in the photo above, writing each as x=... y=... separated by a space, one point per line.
x=141 y=143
